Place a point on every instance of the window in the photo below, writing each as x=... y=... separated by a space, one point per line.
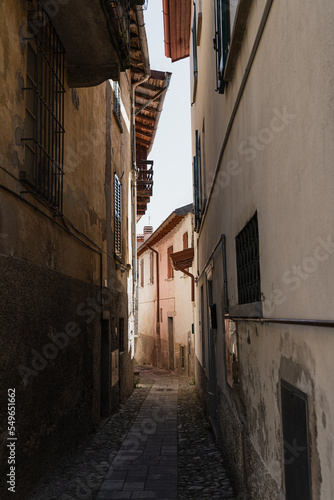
x=117 y=101
x=118 y=215
x=44 y=122
x=185 y=240
x=170 y=270
x=196 y=181
x=248 y=263
x=296 y=443
x=142 y=273
x=222 y=39
x=194 y=58
x=152 y=267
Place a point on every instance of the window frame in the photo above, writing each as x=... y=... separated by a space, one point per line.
x=196 y=183
x=247 y=250
x=117 y=216
x=222 y=40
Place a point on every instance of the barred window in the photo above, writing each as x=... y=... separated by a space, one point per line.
x=248 y=263
x=117 y=100
x=118 y=215
x=44 y=122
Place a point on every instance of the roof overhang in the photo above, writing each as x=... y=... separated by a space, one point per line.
x=183 y=260
x=166 y=227
x=177 y=23
x=149 y=99
x=95 y=35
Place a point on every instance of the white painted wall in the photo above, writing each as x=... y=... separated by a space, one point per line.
x=278 y=160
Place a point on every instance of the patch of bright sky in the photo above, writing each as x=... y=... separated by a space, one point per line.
x=171 y=150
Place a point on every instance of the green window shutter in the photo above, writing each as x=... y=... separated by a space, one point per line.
x=222 y=40
x=118 y=215
x=196 y=182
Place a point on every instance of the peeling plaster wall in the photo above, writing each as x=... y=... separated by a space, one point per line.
x=278 y=162
x=52 y=270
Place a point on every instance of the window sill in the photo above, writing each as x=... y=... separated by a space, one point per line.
x=236 y=38
x=252 y=310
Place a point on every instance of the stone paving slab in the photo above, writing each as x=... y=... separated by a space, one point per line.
x=148 y=456
x=158 y=446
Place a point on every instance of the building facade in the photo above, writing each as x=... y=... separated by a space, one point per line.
x=263 y=145
x=71 y=80
x=166 y=310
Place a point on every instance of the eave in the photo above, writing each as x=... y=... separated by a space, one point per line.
x=95 y=35
x=166 y=227
x=177 y=23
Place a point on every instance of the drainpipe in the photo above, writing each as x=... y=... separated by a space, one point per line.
x=147 y=72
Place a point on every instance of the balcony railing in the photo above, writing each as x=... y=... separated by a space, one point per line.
x=144 y=185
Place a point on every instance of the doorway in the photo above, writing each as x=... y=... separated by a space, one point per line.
x=105 y=369
x=296 y=443
x=171 y=342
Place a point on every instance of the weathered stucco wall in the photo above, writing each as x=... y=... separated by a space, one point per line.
x=277 y=161
x=57 y=272
x=175 y=302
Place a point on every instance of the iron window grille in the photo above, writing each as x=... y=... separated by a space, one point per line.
x=222 y=40
x=118 y=215
x=44 y=122
x=248 y=263
x=117 y=100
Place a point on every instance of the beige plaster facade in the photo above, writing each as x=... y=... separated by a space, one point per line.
x=266 y=146
x=166 y=339
x=66 y=270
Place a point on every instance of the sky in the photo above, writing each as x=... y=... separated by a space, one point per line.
x=171 y=150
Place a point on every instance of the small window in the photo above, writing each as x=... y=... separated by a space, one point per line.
x=161 y=317
x=118 y=215
x=248 y=263
x=117 y=100
x=170 y=270
x=152 y=268
x=142 y=273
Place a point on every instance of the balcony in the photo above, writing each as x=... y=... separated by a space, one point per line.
x=144 y=185
x=96 y=38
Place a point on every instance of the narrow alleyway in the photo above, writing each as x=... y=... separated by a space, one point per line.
x=158 y=445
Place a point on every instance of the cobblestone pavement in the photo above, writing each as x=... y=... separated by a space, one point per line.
x=159 y=445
